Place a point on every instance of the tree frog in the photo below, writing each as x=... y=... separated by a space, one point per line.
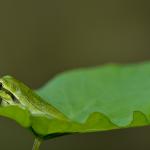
x=14 y=92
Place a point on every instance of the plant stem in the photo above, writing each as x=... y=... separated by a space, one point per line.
x=37 y=143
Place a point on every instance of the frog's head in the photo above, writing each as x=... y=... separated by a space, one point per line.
x=9 y=91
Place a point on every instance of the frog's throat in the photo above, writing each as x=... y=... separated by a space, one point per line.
x=13 y=98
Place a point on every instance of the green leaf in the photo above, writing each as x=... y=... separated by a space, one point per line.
x=94 y=99
x=22 y=116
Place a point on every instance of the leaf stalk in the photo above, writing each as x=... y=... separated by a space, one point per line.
x=37 y=143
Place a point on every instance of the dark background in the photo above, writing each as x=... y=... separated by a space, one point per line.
x=39 y=39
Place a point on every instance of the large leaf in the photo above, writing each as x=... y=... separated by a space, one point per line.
x=94 y=99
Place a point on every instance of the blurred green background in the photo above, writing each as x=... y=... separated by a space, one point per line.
x=39 y=39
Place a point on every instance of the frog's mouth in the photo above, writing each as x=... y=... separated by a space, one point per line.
x=7 y=98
